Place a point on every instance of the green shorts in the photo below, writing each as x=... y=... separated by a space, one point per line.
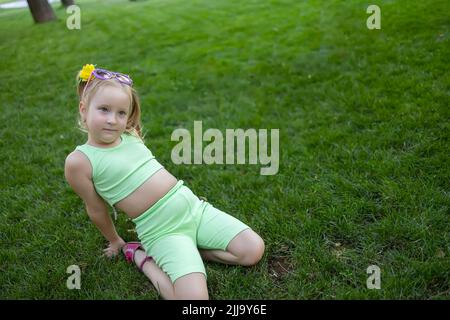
x=174 y=227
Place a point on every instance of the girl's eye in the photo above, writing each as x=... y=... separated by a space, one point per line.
x=103 y=109
x=123 y=113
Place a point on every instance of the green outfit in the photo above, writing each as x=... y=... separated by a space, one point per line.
x=174 y=227
x=179 y=223
x=118 y=171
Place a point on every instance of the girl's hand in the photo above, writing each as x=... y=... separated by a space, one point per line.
x=113 y=248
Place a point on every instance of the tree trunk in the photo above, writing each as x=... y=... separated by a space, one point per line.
x=67 y=3
x=41 y=11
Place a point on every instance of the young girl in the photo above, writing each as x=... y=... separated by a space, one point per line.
x=175 y=228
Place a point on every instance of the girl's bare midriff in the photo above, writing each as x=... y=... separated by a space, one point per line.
x=147 y=194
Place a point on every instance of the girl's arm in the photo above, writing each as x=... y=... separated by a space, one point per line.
x=78 y=174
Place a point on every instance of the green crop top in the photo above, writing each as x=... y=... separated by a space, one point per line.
x=119 y=170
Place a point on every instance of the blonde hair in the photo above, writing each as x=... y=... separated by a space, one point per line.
x=134 y=125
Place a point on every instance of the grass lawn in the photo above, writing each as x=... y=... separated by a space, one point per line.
x=364 y=141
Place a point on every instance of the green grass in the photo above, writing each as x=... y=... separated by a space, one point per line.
x=364 y=141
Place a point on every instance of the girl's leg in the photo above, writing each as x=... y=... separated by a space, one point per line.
x=246 y=249
x=157 y=276
x=189 y=287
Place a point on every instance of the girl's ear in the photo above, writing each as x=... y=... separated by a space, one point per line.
x=83 y=110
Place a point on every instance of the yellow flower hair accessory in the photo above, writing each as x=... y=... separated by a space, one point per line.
x=85 y=73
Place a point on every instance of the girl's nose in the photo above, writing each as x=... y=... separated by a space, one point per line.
x=111 y=119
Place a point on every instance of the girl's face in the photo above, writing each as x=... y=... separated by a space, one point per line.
x=107 y=115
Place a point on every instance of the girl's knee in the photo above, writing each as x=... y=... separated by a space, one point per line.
x=192 y=295
x=253 y=251
x=191 y=287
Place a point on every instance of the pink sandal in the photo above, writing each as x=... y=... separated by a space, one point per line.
x=129 y=250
